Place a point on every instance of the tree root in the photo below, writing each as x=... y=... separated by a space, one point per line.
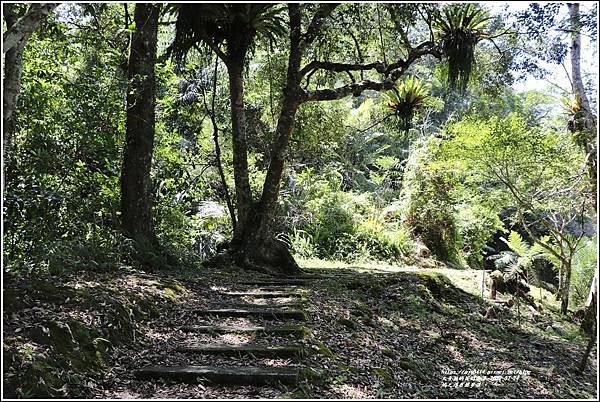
x=271 y=257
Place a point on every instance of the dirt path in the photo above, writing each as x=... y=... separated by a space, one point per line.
x=363 y=333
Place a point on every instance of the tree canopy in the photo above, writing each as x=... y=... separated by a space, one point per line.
x=208 y=139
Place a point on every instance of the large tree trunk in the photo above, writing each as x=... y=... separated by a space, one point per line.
x=285 y=125
x=258 y=247
x=136 y=195
x=566 y=287
x=240 y=148
x=15 y=39
x=584 y=122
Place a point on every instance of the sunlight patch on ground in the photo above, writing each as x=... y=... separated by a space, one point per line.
x=468 y=280
x=126 y=394
x=157 y=335
x=233 y=339
x=318 y=264
x=81 y=284
x=352 y=391
x=385 y=322
x=85 y=317
x=278 y=362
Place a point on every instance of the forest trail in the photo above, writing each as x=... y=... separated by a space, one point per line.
x=276 y=318
x=355 y=331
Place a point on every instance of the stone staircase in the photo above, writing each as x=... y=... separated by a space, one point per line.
x=275 y=316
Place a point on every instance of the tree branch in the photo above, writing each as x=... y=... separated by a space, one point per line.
x=316 y=24
x=342 y=67
x=25 y=25
x=393 y=72
x=355 y=88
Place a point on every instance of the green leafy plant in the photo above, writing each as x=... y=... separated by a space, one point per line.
x=429 y=203
x=460 y=27
x=517 y=261
x=476 y=224
x=584 y=263
x=302 y=244
x=221 y=22
x=407 y=98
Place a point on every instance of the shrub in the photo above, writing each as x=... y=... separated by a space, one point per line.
x=429 y=205
x=343 y=225
x=302 y=244
x=476 y=226
x=583 y=265
x=332 y=220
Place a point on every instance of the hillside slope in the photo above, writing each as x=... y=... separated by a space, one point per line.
x=380 y=332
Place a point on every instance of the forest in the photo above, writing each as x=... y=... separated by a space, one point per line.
x=299 y=200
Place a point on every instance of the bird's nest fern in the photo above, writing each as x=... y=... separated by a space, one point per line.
x=460 y=28
x=405 y=100
x=233 y=24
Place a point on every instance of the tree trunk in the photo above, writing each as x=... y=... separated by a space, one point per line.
x=15 y=39
x=584 y=121
x=21 y=30
x=136 y=195
x=240 y=148
x=285 y=125
x=561 y=281
x=13 y=64
x=213 y=118
x=258 y=246
x=590 y=321
x=566 y=287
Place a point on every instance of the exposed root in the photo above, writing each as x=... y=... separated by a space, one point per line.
x=272 y=257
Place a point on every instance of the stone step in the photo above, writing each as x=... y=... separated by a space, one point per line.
x=275 y=282
x=276 y=288
x=285 y=306
x=266 y=295
x=269 y=313
x=273 y=352
x=227 y=375
x=299 y=331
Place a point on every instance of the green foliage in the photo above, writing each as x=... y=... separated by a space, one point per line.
x=477 y=223
x=343 y=225
x=517 y=262
x=319 y=132
x=583 y=267
x=460 y=27
x=408 y=98
x=359 y=186
x=429 y=203
x=217 y=23
x=534 y=166
x=62 y=181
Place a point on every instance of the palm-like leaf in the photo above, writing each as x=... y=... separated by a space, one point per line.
x=460 y=28
x=408 y=98
x=517 y=262
x=234 y=24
